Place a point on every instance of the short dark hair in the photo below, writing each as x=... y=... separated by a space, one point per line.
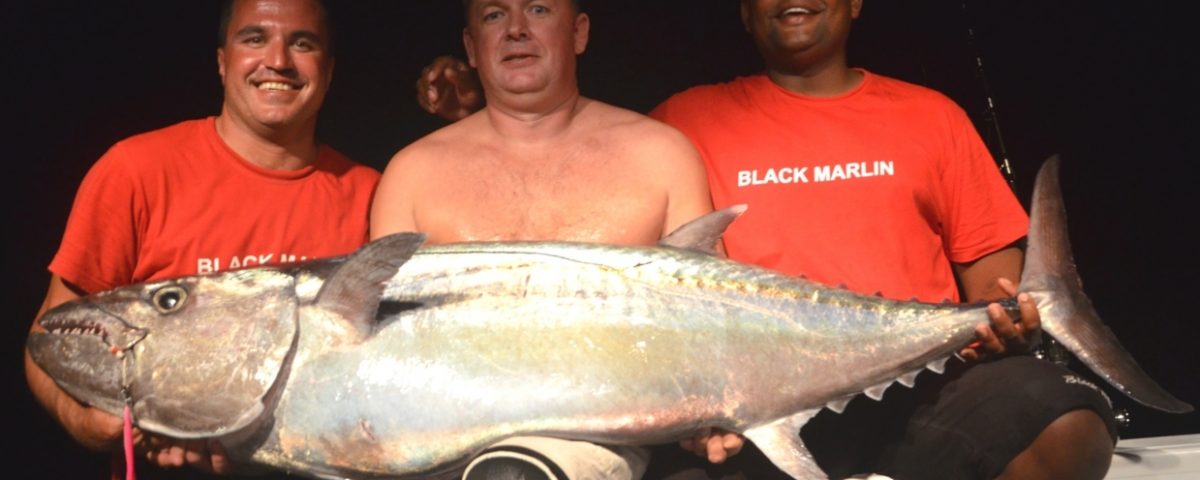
x=578 y=4
x=227 y=17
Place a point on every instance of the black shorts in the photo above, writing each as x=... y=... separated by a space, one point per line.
x=968 y=423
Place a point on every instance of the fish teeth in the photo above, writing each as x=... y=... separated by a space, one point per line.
x=839 y=405
x=876 y=392
x=938 y=366
x=909 y=378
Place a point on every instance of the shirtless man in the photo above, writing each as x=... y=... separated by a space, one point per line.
x=541 y=162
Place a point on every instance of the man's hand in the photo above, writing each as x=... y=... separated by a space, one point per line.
x=204 y=455
x=93 y=428
x=1004 y=335
x=716 y=445
x=449 y=89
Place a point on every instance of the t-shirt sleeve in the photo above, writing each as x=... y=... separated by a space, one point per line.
x=660 y=112
x=100 y=243
x=982 y=215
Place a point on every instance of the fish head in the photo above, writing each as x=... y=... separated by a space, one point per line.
x=195 y=357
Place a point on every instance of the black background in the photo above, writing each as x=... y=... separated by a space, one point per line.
x=1108 y=85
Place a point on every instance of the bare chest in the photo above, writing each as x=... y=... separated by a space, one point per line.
x=578 y=198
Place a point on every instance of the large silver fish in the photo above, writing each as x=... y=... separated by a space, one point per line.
x=387 y=363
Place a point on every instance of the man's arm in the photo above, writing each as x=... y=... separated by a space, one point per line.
x=392 y=209
x=989 y=278
x=679 y=167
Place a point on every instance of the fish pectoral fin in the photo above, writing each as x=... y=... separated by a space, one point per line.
x=352 y=292
x=701 y=234
x=780 y=441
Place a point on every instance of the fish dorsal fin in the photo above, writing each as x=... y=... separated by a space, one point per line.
x=701 y=234
x=352 y=292
x=780 y=442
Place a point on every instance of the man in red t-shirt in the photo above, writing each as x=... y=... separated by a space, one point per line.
x=857 y=179
x=250 y=186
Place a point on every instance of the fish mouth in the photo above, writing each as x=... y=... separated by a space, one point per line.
x=91 y=321
x=83 y=348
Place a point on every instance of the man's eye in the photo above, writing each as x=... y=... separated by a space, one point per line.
x=491 y=16
x=304 y=45
x=254 y=40
x=539 y=9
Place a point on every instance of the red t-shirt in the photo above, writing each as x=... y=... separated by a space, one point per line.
x=879 y=189
x=178 y=201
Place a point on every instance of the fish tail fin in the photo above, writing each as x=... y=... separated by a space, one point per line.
x=1067 y=314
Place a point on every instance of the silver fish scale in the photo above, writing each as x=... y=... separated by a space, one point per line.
x=530 y=340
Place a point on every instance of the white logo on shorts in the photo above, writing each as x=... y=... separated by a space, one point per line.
x=1073 y=380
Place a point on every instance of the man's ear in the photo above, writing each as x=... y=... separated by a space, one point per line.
x=221 y=64
x=745 y=17
x=583 y=25
x=855 y=8
x=470 y=47
x=329 y=72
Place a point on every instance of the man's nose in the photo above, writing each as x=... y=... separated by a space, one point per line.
x=278 y=56
x=518 y=27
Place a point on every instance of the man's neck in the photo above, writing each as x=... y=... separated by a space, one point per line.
x=830 y=79
x=535 y=122
x=271 y=149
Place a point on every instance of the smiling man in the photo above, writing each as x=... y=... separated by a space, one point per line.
x=542 y=162
x=908 y=203
x=248 y=187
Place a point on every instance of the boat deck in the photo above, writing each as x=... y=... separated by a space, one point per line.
x=1157 y=458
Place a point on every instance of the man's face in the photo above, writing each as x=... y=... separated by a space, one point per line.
x=275 y=65
x=799 y=33
x=524 y=46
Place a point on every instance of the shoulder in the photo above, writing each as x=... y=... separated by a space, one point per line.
x=145 y=153
x=634 y=130
x=422 y=153
x=156 y=149
x=425 y=159
x=702 y=98
x=651 y=145
x=334 y=161
x=918 y=96
x=167 y=138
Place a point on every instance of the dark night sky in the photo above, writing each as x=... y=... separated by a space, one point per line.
x=1106 y=84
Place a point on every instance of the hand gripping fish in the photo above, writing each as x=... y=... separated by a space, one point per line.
x=402 y=362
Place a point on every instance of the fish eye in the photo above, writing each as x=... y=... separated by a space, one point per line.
x=169 y=299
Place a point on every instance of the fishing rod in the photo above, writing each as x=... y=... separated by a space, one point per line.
x=1048 y=349
x=990 y=114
